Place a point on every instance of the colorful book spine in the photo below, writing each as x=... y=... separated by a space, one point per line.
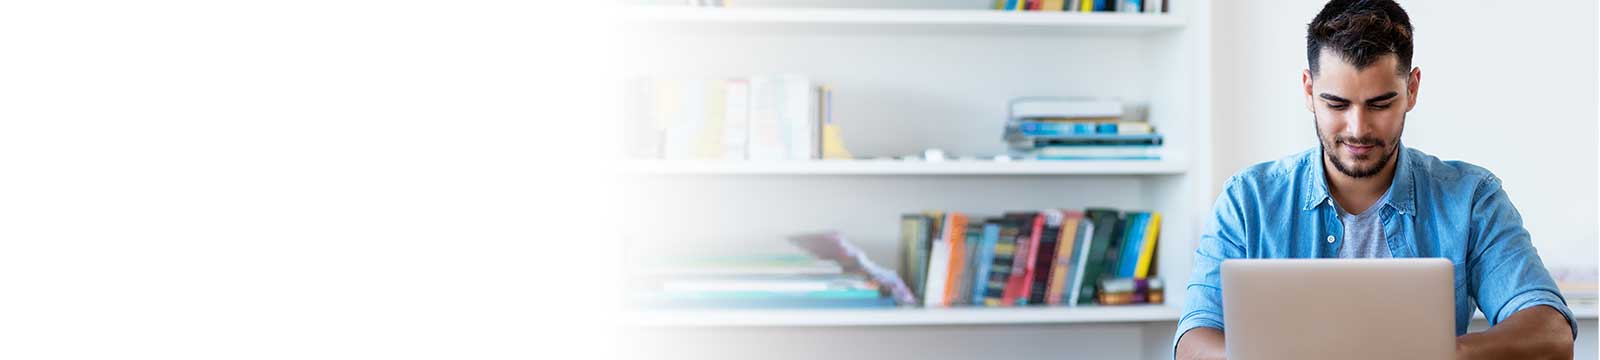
x=1020 y=261
x=1044 y=262
x=1061 y=270
x=955 y=228
x=1148 y=250
x=989 y=236
x=1005 y=250
x=1079 y=257
x=1106 y=230
x=1133 y=237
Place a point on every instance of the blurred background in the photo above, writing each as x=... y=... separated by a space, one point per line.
x=966 y=178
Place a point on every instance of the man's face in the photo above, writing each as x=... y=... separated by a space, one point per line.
x=1359 y=114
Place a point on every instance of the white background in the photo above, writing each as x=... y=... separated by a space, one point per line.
x=303 y=179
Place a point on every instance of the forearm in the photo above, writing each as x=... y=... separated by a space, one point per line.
x=1202 y=343
x=1539 y=332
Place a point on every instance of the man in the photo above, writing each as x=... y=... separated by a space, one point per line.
x=1362 y=194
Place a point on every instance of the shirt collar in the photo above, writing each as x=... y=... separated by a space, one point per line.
x=1401 y=194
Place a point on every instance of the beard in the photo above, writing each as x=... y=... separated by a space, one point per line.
x=1358 y=166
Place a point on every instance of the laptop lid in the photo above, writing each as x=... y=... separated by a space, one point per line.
x=1338 y=308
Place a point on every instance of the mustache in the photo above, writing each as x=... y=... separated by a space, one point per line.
x=1360 y=141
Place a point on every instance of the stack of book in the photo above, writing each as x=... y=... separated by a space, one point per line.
x=1056 y=257
x=1125 y=6
x=1077 y=129
x=753 y=281
x=756 y=118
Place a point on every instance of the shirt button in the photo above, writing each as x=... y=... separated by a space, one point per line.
x=1330 y=239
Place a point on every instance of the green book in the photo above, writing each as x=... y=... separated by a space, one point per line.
x=1106 y=227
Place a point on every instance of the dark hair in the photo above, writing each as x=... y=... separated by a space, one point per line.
x=1360 y=31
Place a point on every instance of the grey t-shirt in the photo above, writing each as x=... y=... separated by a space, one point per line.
x=1363 y=233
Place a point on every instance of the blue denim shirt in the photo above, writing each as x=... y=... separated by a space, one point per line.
x=1442 y=209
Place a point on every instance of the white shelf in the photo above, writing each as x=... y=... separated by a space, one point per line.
x=919 y=20
x=903 y=316
x=896 y=167
x=924 y=316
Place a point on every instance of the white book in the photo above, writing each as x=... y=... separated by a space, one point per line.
x=1082 y=259
x=736 y=120
x=765 y=141
x=1067 y=108
x=798 y=116
x=938 y=273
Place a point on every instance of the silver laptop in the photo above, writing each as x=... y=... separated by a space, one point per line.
x=1339 y=309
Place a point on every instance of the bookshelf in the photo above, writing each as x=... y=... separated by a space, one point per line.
x=897 y=167
x=906 y=80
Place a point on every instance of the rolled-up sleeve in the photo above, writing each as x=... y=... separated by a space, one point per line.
x=1219 y=240
x=1503 y=268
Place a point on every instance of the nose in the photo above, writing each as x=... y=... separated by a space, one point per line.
x=1359 y=122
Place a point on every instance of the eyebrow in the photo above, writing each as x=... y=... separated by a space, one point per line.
x=1331 y=97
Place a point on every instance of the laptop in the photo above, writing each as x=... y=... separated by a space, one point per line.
x=1338 y=308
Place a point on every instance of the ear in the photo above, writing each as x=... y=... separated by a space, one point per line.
x=1305 y=84
x=1413 y=82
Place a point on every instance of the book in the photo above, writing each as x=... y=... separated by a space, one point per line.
x=765 y=140
x=1084 y=128
x=984 y=261
x=914 y=247
x=797 y=114
x=1086 y=239
x=1098 y=140
x=969 y=277
x=1049 y=233
x=938 y=271
x=1094 y=265
x=1098 y=152
x=1051 y=5
x=955 y=234
x=1005 y=249
x=1021 y=260
x=1022 y=270
x=1061 y=267
x=1147 y=250
x=1132 y=243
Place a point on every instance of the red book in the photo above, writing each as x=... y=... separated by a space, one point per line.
x=1033 y=256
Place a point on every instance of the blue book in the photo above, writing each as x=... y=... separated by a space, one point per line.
x=985 y=259
x=1047 y=128
x=1133 y=243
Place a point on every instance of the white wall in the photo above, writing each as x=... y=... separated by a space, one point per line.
x=1507 y=85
